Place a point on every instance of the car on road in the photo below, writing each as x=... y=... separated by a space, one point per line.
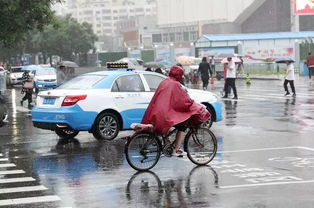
x=45 y=78
x=14 y=75
x=106 y=102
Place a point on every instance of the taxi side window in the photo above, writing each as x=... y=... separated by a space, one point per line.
x=128 y=83
x=153 y=81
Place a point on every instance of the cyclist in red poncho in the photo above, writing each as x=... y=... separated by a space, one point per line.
x=171 y=106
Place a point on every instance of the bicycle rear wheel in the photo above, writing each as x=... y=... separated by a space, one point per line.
x=142 y=151
x=201 y=146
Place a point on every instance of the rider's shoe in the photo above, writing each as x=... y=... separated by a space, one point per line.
x=179 y=153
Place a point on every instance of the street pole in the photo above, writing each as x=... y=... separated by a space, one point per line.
x=295 y=27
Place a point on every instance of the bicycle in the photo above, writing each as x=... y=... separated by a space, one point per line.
x=144 y=148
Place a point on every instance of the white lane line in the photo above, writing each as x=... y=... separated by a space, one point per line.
x=307 y=148
x=262 y=149
x=265 y=184
x=8 y=165
x=23 y=189
x=16 y=180
x=4 y=159
x=8 y=172
x=29 y=200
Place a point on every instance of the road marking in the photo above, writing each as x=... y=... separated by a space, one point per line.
x=22 y=189
x=16 y=180
x=262 y=149
x=8 y=165
x=4 y=159
x=8 y=172
x=29 y=200
x=265 y=184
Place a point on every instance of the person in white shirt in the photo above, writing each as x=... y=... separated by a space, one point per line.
x=212 y=66
x=289 y=78
x=230 y=79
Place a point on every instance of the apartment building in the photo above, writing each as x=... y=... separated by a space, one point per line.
x=103 y=15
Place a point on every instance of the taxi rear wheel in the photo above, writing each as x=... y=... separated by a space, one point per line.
x=66 y=133
x=106 y=127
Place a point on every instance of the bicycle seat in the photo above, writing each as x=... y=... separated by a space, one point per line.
x=142 y=127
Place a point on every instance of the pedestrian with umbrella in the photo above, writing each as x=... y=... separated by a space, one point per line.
x=289 y=76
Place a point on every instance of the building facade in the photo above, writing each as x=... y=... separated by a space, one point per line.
x=103 y=15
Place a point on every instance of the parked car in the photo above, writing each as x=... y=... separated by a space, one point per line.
x=106 y=102
x=14 y=75
x=3 y=112
x=45 y=78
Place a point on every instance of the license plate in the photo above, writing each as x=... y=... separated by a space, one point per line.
x=49 y=101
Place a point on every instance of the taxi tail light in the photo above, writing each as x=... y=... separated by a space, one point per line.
x=73 y=99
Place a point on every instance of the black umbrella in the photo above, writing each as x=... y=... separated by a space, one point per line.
x=283 y=60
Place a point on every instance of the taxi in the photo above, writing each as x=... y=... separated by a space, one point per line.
x=103 y=103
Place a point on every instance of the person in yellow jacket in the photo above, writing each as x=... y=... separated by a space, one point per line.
x=248 y=79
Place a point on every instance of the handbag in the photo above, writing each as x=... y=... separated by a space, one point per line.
x=28 y=85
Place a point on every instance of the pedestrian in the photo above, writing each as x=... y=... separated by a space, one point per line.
x=27 y=89
x=61 y=76
x=212 y=66
x=225 y=78
x=310 y=64
x=247 y=79
x=230 y=81
x=204 y=70
x=289 y=78
x=240 y=65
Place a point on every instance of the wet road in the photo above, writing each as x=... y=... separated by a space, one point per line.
x=265 y=159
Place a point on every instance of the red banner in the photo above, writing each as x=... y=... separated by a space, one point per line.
x=304 y=6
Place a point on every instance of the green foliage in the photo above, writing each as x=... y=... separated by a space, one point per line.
x=65 y=38
x=18 y=17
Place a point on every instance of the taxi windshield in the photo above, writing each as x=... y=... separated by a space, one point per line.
x=82 y=82
x=45 y=72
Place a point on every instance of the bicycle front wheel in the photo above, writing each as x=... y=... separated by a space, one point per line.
x=201 y=146
x=142 y=151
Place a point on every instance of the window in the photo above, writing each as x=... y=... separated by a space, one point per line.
x=156 y=38
x=172 y=37
x=128 y=83
x=153 y=81
x=106 y=11
x=82 y=82
x=106 y=17
x=186 y=36
x=179 y=37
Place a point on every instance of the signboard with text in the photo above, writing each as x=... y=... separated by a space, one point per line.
x=304 y=6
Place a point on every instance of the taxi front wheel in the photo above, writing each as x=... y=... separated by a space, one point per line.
x=66 y=133
x=106 y=126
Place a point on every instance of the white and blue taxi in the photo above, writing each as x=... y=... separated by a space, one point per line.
x=103 y=103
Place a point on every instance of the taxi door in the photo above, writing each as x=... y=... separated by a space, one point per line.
x=127 y=93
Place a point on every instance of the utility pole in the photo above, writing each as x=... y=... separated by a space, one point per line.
x=295 y=27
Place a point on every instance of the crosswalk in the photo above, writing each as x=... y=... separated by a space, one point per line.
x=16 y=189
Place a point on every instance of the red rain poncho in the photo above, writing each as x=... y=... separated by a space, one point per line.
x=171 y=104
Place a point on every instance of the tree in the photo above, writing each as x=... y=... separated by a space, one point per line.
x=18 y=17
x=66 y=38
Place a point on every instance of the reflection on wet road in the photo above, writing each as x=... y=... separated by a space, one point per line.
x=265 y=159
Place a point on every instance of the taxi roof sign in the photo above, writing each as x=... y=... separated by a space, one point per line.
x=117 y=65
